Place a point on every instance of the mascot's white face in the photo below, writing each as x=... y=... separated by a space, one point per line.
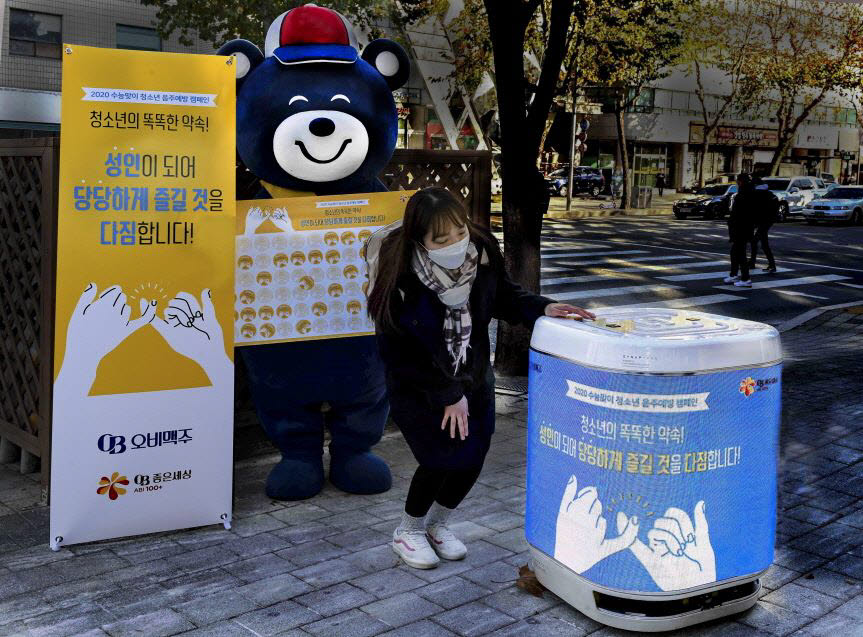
x=320 y=145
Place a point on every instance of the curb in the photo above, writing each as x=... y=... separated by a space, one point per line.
x=608 y=212
x=799 y=320
x=598 y=213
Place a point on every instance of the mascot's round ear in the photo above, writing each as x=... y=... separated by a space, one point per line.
x=390 y=60
x=247 y=55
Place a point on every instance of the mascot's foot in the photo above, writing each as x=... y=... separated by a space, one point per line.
x=296 y=479
x=362 y=473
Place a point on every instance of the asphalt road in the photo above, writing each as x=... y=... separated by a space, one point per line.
x=666 y=262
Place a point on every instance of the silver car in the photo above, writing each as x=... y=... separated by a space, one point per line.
x=794 y=193
x=843 y=203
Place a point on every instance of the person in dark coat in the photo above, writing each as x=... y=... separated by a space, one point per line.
x=660 y=182
x=435 y=286
x=766 y=212
x=741 y=227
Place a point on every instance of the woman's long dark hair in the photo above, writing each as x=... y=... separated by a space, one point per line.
x=432 y=209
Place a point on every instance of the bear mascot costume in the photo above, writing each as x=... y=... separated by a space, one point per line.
x=316 y=118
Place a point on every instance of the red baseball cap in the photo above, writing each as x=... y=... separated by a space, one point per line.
x=310 y=34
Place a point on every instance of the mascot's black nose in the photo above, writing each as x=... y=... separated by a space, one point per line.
x=322 y=126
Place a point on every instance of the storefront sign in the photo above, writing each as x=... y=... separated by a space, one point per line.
x=820 y=137
x=143 y=392
x=652 y=483
x=849 y=139
x=734 y=136
x=300 y=265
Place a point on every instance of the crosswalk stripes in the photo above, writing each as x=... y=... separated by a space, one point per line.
x=625 y=272
x=570 y=264
x=699 y=276
x=679 y=304
x=611 y=273
x=626 y=289
x=601 y=253
x=780 y=283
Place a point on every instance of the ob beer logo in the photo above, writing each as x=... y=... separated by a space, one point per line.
x=747 y=386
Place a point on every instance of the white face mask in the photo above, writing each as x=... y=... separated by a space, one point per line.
x=451 y=256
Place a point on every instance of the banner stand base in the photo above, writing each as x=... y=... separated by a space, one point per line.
x=55 y=543
x=226 y=520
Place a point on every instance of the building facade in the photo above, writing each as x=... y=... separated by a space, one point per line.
x=665 y=134
x=33 y=32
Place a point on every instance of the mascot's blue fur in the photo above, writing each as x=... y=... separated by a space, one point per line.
x=292 y=120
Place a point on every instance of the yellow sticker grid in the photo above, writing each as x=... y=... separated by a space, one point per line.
x=300 y=265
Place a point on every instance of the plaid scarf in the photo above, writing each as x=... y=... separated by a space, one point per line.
x=453 y=289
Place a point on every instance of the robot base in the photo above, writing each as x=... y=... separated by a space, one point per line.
x=645 y=612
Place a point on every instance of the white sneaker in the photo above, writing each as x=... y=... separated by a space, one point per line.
x=445 y=543
x=731 y=279
x=414 y=549
x=743 y=284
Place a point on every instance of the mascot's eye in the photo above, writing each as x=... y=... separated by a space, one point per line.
x=297 y=98
x=340 y=97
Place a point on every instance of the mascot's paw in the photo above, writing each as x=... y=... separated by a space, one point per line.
x=296 y=479
x=362 y=473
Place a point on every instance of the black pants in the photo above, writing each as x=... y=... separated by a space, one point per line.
x=761 y=235
x=738 y=259
x=446 y=487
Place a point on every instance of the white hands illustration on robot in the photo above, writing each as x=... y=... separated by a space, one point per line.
x=101 y=321
x=580 y=540
x=678 y=554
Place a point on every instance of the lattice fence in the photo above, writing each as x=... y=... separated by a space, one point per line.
x=465 y=173
x=27 y=248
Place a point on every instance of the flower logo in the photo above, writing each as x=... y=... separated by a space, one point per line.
x=109 y=485
x=747 y=387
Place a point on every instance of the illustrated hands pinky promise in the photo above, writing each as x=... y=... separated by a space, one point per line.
x=580 y=540
x=678 y=553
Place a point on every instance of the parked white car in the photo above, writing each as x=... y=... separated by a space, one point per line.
x=794 y=193
x=843 y=203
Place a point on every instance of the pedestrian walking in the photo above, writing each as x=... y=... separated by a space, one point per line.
x=766 y=209
x=660 y=182
x=741 y=227
x=436 y=283
x=616 y=183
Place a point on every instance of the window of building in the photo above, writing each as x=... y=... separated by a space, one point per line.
x=644 y=102
x=138 y=38
x=35 y=34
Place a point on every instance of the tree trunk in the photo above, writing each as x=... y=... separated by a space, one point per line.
x=545 y=130
x=621 y=140
x=525 y=197
x=705 y=148
x=779 y=153
x=524 y=204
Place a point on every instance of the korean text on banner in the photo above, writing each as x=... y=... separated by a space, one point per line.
x=301 y=272
x=143 y=391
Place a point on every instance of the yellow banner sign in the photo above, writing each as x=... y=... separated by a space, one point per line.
x=143 y=392
x=300 y=265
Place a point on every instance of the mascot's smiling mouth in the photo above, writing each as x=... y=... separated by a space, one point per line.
x=308 y=156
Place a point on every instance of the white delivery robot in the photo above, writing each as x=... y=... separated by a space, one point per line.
x=652 y=464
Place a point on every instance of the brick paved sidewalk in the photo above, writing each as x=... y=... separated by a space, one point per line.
x=324 y=567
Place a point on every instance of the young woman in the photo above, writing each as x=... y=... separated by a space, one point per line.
x=437 y=283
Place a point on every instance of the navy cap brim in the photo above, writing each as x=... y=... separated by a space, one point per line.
x=309 y=53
